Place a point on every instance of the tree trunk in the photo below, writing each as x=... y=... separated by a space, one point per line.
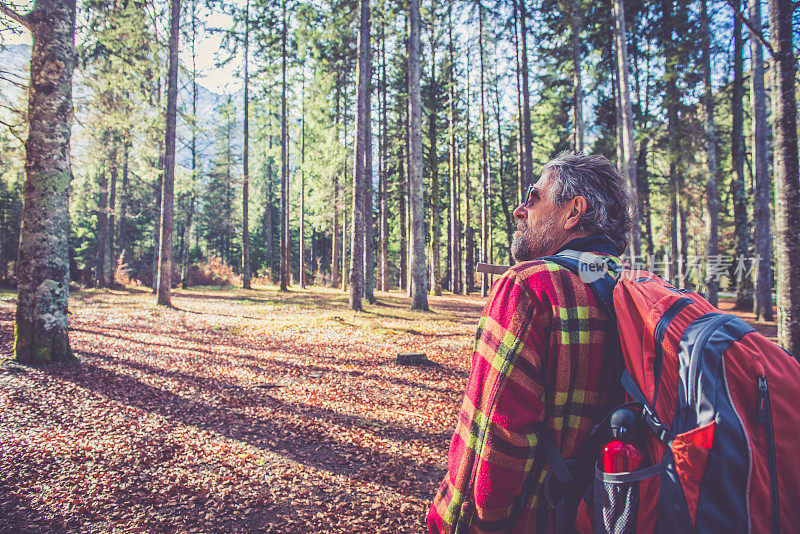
x=284 y=281
x=744 y=287
x=384 y=246
x=357 y=219
x=671 y=103
x=469 y=244
x=644 y=196
x=433 y=163
x=628 y=164
x=403 y=209
x=269 y=208
x=110 y=264
x=455 y=238
x=337 y=203
x=520 y=128
x=409 y=200
x=618 y=130
x=763 y=233
x=245 y=157
x=712 y=210
x=159 y=185
x=160 y=181
x=345 y=264
x=369 y=221
x=102 y=229
x=577 y=105
x=40 y=332
x=419 y=295
x=164 y=280
x=193 y=147
x=226 y=247
x=526 y=108
x=303 y=185
x=485 y=187
x=123 y=243
x=642 y=178
x=510 y=224
x=787 y=184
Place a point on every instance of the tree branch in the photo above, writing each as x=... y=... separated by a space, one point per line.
x=15 y=130
x=753 y=32
x=6 y=10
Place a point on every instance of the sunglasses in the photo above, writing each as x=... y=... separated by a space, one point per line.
x=532 y=195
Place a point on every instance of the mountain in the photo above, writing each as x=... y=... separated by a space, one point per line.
x=14 y=65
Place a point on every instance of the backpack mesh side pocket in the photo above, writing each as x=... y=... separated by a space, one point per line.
x=625 y=503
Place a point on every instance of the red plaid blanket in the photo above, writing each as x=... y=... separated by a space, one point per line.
x=541 y=360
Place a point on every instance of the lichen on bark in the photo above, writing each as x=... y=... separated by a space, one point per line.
x=40 y=334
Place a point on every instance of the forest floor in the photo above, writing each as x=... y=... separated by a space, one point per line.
x=234 y=411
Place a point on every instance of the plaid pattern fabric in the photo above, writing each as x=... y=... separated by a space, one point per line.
x=542 y=360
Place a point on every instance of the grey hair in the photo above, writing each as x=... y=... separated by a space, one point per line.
x=608 y=198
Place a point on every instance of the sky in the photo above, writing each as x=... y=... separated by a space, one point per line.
x=216 y=79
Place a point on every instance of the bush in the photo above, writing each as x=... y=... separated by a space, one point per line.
x=321 y=278
x=266 y=276
x=213 y=272
x=122 y=273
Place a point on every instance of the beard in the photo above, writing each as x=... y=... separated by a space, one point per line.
x=531 y=242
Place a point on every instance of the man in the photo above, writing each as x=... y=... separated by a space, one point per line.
x=545 y=358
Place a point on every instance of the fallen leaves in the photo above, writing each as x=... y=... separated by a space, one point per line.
x=236 y=411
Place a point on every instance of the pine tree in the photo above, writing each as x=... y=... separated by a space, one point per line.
x=526 y=107
x=712 y=213
x=744 y=288
x=384 y=162
x=303 y=185
x=763 y=233
x=419 y=295
x=190 y=208
x=469 y=240
x=677 y=212
x=369 y=222
x=577 y=103
x=625 y=113
x=363 y=116
x=433 y=161
x=486 y=234
x=164 y=280
x=455 y=223
x=284 y=266
x=245 y=155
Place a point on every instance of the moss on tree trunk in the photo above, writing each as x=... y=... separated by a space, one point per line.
x=41 y=335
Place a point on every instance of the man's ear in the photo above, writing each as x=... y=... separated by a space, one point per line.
x=578 y=207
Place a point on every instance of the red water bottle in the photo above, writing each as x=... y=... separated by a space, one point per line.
x=622 y=454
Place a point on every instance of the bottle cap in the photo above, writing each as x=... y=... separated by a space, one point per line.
x=624 y=424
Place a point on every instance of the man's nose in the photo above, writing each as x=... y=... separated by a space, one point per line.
x=519 y=213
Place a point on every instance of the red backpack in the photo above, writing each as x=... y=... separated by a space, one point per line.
x=722 y=404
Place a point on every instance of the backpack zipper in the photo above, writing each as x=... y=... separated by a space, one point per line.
x=764 y=416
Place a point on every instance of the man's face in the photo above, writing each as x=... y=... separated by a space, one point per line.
x=540 y=226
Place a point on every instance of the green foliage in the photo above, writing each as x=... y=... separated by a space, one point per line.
x=12 y=178
x=120 y=131
x=219 y=213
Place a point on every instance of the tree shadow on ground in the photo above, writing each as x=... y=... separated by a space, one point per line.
x=307 y=442
x=261 y=364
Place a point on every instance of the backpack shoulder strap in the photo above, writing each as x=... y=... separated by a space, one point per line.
x=565 y=502
x=599 y=272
